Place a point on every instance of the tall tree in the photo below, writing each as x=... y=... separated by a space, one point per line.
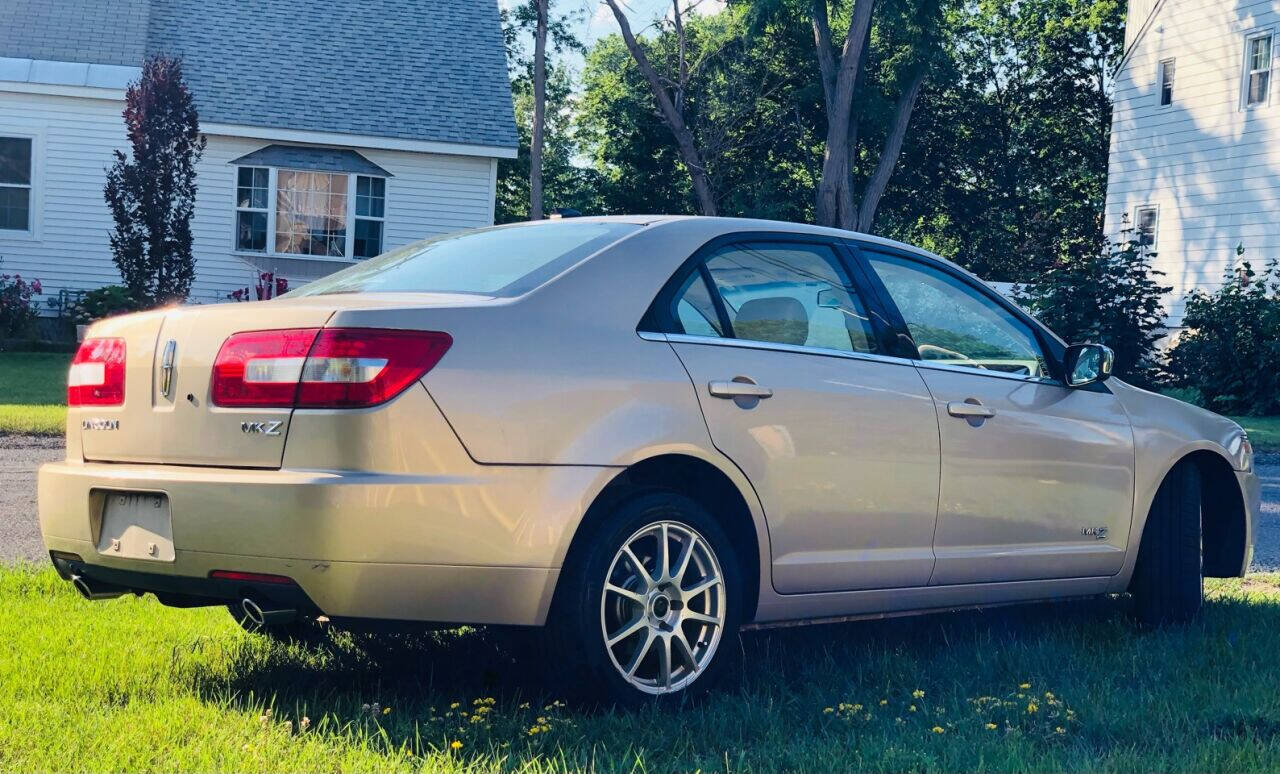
x=671 y=104
x=152 y=194
x=539 y=109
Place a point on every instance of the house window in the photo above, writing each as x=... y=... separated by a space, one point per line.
x=1147 y=218
x=252 y=188
x=309 y=213
x=15 y=183
x=1257 y=67
x=1167 y=70
x=371 y=196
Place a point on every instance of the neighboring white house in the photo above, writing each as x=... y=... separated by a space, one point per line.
x=1195 y=139
x=336 y=130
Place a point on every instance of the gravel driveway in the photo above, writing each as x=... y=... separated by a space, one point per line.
x=20 y=535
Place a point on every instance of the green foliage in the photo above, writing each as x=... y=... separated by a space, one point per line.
x=1006 y=161
x=106 y=301
x=18 y=310
x=129 y=685
x=1104 y=294
x=1230 y=350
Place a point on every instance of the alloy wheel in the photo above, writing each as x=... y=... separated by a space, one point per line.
x=662 y=610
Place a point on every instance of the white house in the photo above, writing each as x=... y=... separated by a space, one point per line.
x=1195 y=139
x=336 y=130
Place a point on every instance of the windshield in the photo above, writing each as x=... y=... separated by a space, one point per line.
x=496 y=261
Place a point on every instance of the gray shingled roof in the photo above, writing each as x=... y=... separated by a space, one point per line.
x=308 y=157
x=408 y=69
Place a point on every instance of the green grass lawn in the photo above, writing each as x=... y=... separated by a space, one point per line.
x=130 y=685
x=33 y=392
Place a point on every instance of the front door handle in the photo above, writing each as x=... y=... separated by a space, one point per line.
x=970 y=409
x=739 y=387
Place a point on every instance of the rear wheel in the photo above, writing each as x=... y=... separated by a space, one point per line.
x=652 y=604
x=1168 y=581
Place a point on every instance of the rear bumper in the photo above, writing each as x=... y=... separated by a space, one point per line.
x=483 y=547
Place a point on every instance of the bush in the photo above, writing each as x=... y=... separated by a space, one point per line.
x=18 y=312
x=1105 y=294
x=107 y=301
x=1230 y=351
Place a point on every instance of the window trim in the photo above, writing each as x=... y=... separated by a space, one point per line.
x=1155 y=230
x=36 y=187
x=657 y=318
x=1247 y=73
x=272 y=195
x=1162 y=71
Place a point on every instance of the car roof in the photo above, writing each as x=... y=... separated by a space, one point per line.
x=732 y=225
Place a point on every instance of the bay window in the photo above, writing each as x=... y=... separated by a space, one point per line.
x=309 y=213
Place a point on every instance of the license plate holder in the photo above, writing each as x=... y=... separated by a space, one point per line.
x=136 y=525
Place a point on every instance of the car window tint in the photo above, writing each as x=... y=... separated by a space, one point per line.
x=788 y=293
x=695 y=312
x=954 y=323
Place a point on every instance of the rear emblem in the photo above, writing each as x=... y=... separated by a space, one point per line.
x=261 y=428
x=166 y=368
x=99 y=424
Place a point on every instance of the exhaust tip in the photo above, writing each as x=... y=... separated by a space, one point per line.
x=93 y=590
x=81 y=586
x=263 y=617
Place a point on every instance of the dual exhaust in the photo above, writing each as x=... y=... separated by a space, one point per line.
x=260 y=614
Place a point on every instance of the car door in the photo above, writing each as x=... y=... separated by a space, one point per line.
x=1036 y=478
x=839 y=439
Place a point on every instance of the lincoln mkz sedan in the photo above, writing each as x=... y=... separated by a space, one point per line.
x=644 y=434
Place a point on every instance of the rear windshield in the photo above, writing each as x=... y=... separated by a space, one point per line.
x=496 y=261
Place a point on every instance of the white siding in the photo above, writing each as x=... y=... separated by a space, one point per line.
x=75 y=136
x=1212 y=166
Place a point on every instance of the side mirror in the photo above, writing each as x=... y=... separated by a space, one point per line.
x=1088 y=363
x=829 y=299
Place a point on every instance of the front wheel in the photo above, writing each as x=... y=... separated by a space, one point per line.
x=652 y=604
x=1168 y=581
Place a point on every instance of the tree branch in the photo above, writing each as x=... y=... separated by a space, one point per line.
x=889 y=156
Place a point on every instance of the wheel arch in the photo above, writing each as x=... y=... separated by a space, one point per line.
x=1224 y=517
x=703 y=482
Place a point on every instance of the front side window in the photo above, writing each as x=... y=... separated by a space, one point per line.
x=15 y=183
x=309 y=213
x=782 y=293
x=1257 y=86
x=1147 y=218
x=955 y=324
x=1167 y=70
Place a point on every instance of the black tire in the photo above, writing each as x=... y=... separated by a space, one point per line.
x=1168 y=581
x=301 y=631
x=579 y=660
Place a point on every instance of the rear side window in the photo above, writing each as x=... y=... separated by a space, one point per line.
x=782 y=293
x=499 y=261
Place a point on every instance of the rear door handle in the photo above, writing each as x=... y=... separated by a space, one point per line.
x=738 y=389
x=967 y=410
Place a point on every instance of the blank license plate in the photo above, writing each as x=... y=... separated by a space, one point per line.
x=136 y=525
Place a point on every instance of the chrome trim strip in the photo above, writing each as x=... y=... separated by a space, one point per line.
x=933 y=365
x=768 y=345
x=650 y=336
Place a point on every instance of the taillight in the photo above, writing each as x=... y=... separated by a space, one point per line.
x=322 y=367
x=96 y=377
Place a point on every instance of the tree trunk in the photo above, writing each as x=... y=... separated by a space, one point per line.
x=671 y=116
x=539 y=111
x=839 y=82
x=889 y=156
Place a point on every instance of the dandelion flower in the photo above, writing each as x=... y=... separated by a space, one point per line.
x=883 y=702
x=455 y=705
x=1060 y=730
x=912 y=708
x=917 y=694
x=992 y=726
x=939 y=730
x=305 y=723
x=1024 y=687
x=827 y=710
x=386 y=710
x=455 y=745
x=1032 y=708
